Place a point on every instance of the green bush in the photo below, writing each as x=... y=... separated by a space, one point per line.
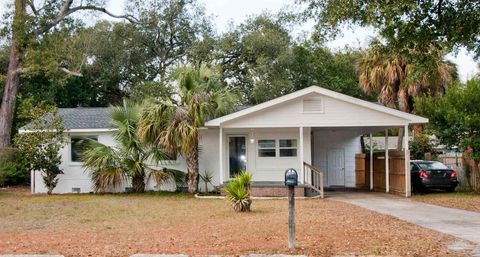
x=420 y=145
x=238 y=192
x=12 y=174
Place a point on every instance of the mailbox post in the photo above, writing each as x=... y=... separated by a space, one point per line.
x=291 y=180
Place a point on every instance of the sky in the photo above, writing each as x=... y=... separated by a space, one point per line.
x=226 y=12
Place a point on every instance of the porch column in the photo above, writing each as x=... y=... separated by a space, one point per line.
x=220 y=154
x=408 y=187
x=302 y=176
x=371 y=162
x=387 y=168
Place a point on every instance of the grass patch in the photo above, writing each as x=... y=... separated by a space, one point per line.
x=460 y=200
x=125 y=224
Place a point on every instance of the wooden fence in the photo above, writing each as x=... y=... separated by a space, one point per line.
x=396 y=171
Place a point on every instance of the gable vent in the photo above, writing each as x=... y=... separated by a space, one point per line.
x=313 y=105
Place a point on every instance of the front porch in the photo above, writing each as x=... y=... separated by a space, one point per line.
x=324 y=157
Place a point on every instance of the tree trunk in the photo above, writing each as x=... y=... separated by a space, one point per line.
x=476 y=177
x=138 y=184
x=9 y=96
x=417 y=130
x=13 y=77
x=192 y=169
x=400 y=139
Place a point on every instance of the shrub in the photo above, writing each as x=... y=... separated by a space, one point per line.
x=238 y=192
x=38 y=149
x=12 y=175
x=207 y=178
x=420 y=145
x=12 y=172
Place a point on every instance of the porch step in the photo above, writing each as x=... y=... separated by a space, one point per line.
x=310 y=192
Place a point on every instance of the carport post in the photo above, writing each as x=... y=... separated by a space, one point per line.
x=302 y=158
x=371 y=162
x=220 y=153
x=387 y=168
x=408 y=187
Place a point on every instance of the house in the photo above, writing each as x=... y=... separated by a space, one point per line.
x=314 y=130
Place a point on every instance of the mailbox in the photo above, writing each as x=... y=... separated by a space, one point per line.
x=291 y=178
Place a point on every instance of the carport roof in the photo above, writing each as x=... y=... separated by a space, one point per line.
x=410 y=118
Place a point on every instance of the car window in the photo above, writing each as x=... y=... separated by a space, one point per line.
x=432 y=165
x=413 y=167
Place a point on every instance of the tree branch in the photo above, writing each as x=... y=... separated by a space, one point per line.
x=67 y=10
x=72 y=73
x=32 y=6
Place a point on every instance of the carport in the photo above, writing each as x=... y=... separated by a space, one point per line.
x=317 y=132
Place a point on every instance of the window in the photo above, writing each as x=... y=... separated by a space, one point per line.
x=267 y=148
x=78 y=145
x=432 y=165
x=288 y=147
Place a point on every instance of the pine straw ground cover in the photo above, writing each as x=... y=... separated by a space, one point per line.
x=120 y=225
x=460 y=200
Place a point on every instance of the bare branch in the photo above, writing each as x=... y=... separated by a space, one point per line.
x=32 y=6
x=72 y=73
x=103 y=10
x=67 y=10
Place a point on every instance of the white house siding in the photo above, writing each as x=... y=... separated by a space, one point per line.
x=347 y=139
x=267 y=168
x=75 y=175
x=208 y=158
x=336 y=113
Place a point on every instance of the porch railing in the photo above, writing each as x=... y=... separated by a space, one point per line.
x=313 y=177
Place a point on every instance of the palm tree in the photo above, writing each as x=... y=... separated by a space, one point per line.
x=174 y=126
x=397 y=80
x=130 y=159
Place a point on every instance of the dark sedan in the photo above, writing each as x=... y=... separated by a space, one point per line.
x=432 y=175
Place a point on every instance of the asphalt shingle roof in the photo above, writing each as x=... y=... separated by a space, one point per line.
x=82 y=118
x=85 y=118
x=92 y=117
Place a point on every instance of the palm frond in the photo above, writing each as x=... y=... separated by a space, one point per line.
x=164 y=175
x=106 y=169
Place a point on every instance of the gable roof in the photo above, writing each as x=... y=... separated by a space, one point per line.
x=410 y=118
x=81 y=118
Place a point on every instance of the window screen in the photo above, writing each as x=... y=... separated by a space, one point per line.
x=267 y=148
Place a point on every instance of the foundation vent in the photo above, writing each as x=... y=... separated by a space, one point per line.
x=313 y=105
x=76 y=190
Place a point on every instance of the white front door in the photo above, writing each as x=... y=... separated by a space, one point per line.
x=336 y=167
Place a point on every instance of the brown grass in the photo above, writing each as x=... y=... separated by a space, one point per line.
x=459 y=200
x=121 y=225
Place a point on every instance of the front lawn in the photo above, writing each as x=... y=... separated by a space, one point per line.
x=460 y=200
x=120 y=225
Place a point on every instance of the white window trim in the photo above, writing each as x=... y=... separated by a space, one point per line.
x=288 y=147
x=267 y=148
x=70 y=161
x=277 y=148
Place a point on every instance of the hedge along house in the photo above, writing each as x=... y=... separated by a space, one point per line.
x=314 y=130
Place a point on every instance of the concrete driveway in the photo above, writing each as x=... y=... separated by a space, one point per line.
x=455 y=222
